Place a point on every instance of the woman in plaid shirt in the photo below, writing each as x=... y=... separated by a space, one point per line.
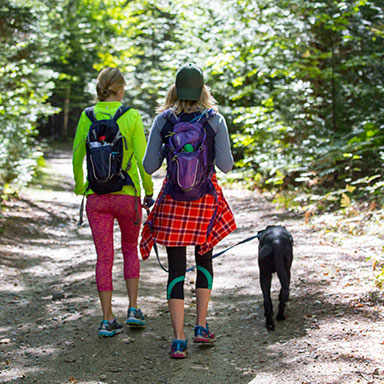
x=177 y=224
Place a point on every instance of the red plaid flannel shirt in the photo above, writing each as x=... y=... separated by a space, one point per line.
x=182 y=223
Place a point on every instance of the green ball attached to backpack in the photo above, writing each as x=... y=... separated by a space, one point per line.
x=188 y=148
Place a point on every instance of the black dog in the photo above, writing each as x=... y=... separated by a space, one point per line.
x=275 y=255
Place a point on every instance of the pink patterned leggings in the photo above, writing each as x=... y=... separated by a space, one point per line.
x=102 y=210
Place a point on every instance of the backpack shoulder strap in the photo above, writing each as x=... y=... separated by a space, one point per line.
x=122 y=109
x=90 y=112
x=204 y=116
x=171 y=116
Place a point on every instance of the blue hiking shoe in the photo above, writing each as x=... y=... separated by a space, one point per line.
x=203 y=335
x=179 y=349
x=135 y=317
x=110 y=328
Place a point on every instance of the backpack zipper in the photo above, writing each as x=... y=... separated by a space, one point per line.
x=109 y=170
x=178 y=175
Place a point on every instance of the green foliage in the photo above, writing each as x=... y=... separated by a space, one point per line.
x=303 y=83
x=24 y=88
x=300 y=83
x=79 y=36
x=144 y=49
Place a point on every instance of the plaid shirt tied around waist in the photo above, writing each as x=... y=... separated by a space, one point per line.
x=181 y=223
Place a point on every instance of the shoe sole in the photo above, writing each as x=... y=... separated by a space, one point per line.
x=178 y=355
x=135 y=323
x=203 y=340
x=110 y=333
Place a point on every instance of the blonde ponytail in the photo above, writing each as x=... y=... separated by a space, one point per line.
x=206 y=101
x=109 y=82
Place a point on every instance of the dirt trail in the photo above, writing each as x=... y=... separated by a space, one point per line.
x=334 y=332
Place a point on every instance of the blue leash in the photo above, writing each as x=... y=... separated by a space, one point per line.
x=213 y=257
x=227 y=249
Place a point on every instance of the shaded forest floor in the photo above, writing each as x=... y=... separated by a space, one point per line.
x=334 y=332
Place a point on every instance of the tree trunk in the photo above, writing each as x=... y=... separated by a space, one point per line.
x=333 y=89
x=66 y=111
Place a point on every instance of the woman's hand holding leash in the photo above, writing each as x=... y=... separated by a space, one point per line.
x=148 y=202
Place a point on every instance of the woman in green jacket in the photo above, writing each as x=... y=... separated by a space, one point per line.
x=103 y=209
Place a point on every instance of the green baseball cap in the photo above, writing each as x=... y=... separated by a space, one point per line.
x=189 y=82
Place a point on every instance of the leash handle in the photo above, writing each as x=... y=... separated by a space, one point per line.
x=148 y=202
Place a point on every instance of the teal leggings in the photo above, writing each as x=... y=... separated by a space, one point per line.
x=177 y=265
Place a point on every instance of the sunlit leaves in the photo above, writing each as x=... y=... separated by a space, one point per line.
x=25 y=85
x=308 y=67
x=300 y=83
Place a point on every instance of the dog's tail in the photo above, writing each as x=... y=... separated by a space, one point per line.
x=282 y=270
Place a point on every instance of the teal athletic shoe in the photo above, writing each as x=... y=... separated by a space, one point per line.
x=203 y=335
x=179 y=349
x=135 y=318
x=110 y=328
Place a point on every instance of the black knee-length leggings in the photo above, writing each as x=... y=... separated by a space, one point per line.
x=177 y=265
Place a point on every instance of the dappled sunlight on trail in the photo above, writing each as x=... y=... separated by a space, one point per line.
x=50 y=310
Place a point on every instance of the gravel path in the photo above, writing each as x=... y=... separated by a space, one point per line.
x=334 y=332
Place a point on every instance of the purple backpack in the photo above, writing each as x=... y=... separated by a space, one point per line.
x=188 y=172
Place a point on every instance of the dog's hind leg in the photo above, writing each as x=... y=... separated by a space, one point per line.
x=265 y=282
x=282 y=300
x=283 y=295
x=283 y=272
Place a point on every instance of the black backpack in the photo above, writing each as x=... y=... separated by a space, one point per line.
x=104 y=148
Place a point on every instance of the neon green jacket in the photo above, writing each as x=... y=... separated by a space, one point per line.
x=131 y=127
